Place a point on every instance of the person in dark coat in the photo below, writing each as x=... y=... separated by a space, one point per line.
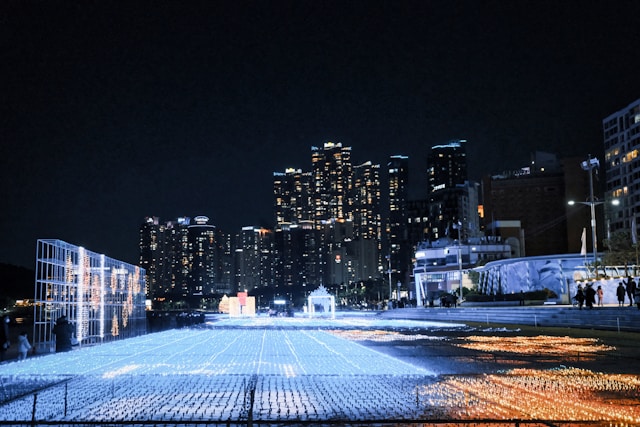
x=590 y=296
x=580 y=297
x=63 y=331
x=631 y=290
x=5 y=343
x=620 y=292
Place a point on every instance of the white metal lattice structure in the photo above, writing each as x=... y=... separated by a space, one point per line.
x=102 y=297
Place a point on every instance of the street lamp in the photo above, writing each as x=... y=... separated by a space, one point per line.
x=460 y=269
x=589 y=165
x=389 y=271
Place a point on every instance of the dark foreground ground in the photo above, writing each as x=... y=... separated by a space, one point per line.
x=467 y=351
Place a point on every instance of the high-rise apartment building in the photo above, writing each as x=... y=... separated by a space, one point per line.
x=622 y=166
x=292 y=196
x=204 y=267
x=367 y=217
x=186 y=258
x=296 y=254
x=399 y=251
x=164 y=253
x=334 y=210
x=254 y=258
x=332 y=180
x=152 y=258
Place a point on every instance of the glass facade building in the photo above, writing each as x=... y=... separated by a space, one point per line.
x=103 y=298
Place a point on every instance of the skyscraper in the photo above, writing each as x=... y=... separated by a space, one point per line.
x=204 y=252
x=254 y=258
x=152 y=257
x=296 y=254
x=185 y=258
x=367 y=217
x=332 y=174
x=177 y=253
x=446 y=173
x=292 y=196
x=398 y=251
x=332 y=210
x=622 y=167
x=446 y=166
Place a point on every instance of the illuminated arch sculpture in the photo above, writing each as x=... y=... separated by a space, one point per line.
x=321 y=298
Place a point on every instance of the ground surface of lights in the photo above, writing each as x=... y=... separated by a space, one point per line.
x=310 y=370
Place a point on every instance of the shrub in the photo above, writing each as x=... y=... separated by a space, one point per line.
x=541 y=295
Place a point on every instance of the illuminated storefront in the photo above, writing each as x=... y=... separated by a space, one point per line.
x=102 y=297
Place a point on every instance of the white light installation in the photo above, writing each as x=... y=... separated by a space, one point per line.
x=102 y=297
x=102 y=269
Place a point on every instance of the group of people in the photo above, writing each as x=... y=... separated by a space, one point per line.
x=587 y=296
x=63 y=331
x=631 y=290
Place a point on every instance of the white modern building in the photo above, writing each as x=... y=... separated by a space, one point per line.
x=441 y=266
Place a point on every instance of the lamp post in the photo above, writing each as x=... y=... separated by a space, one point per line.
x=458 y=227
x=589 y=165
x=389 y=271
x=460 y=268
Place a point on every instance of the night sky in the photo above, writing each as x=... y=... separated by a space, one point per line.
x=114 y=111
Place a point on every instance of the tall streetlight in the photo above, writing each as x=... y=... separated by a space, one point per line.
x=460 y=268
x=389 y=271
x=589 y=165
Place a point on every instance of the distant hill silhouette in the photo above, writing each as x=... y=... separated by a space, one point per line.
x=15 y=283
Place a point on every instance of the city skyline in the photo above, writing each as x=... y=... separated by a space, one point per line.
x=119 y=112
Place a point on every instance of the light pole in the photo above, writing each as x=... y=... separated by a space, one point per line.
x=389 y=271
x=589 y=165
x=460 y=268
x=458 y=226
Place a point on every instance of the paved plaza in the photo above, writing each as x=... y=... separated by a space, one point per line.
x=270 y=370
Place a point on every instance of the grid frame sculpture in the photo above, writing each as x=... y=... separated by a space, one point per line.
x=102 y=297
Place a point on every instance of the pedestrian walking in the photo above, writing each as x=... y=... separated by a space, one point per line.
x=600 y=294
x=620 y=293
x=631 y=290
x=23 y=346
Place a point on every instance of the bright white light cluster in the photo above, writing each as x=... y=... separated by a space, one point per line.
x=297 y=374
